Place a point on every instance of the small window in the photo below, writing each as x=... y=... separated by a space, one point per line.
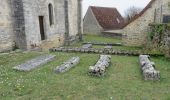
x=51 y=16
x=166 y=19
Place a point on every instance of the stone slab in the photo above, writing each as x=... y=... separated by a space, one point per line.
x=34 y=63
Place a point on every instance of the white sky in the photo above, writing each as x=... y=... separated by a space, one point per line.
x=121 y=5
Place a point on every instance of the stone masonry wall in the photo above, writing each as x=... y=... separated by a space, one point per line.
x=90 y=24
x=72 y=17
x=135 y=34
x=19 y=23
x=32 y=13
x=164 y=9
x=6 y=30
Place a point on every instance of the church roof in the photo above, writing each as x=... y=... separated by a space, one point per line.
x=108 y=18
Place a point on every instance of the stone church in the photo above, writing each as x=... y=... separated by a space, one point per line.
x=136 y=31
x=30 y=24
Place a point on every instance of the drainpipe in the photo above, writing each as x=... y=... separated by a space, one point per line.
x=80 y=24
x=66 y=41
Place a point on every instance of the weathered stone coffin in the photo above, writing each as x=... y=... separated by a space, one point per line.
x=67 y=65
x=34 y=63
x=100 y=67
x=148 y=68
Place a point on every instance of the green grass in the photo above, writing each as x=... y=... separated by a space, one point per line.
x=123 y=80
x=98 y=38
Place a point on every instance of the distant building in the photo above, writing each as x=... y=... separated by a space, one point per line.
x=99 y=19
x=136 y=31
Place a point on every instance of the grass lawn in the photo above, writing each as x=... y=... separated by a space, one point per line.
x=96 y=38
x=123 y=80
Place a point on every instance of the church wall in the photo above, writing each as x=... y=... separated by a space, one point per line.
x=54 y=33
x=72 y=17
x=6 y=30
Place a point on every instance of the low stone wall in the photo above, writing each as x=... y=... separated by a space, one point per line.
x=99 y=51
x=99 y=68
x=148 y=68
x=103 y=43
x=67 y=65
x=93 y=50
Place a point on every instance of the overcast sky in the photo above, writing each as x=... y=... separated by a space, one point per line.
x=121 y=5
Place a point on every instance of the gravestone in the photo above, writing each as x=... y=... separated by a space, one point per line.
x=34 y=63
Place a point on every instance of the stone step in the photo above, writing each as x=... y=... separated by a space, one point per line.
x=34 y=63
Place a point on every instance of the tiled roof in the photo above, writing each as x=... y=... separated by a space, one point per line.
x=108 y=18
x=140 y=14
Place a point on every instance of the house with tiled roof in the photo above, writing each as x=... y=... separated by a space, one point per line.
x=99 y=19
x=136 y=31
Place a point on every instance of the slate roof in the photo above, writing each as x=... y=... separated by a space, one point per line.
x=108 y=18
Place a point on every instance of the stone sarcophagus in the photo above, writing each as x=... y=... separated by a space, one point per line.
x=148 y=68
x=67 y=65
x=100 y=68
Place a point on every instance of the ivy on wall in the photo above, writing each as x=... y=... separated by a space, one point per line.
x=159 y=37
x=156 y=29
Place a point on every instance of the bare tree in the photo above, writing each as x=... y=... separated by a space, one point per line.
x=131 y=12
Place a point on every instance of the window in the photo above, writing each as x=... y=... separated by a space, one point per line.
x=166 y=19
x=51 y=16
